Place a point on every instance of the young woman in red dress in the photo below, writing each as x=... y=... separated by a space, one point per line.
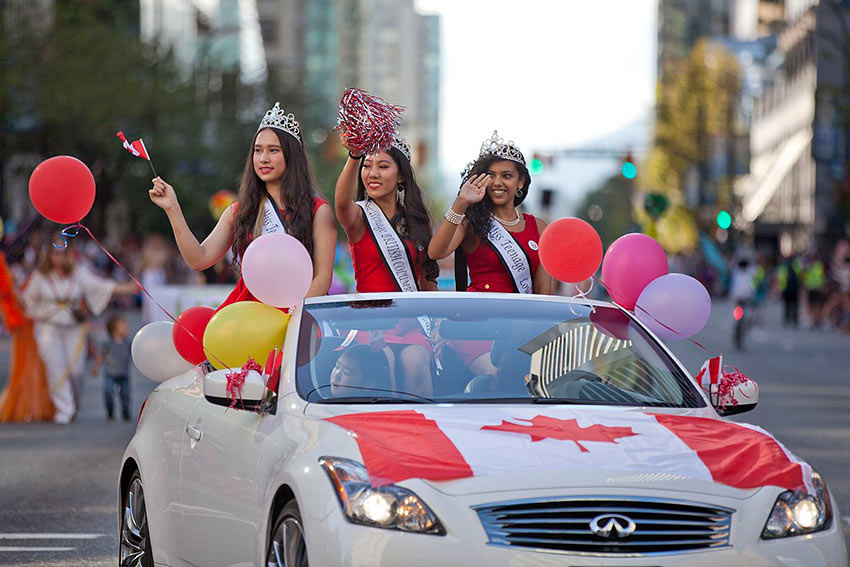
x=277 y=194
x=389 y=200
x=499 y=243
x=493 y=187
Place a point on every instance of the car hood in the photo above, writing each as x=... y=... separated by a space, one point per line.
x=469 y=449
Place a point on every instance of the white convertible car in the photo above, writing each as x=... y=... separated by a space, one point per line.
x=464 y=429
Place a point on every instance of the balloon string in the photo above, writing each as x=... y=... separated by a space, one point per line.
x=68 y=232
x=77 y=228
x=581 y=294
x=651 y=316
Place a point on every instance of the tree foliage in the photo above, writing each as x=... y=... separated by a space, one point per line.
x=71 y=82
x=695 y=105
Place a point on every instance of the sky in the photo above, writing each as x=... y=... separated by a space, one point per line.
x=546 y=73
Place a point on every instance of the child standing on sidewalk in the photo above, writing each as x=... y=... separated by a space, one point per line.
x=114 y=354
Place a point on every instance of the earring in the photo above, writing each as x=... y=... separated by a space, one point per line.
x=399 y=194
x=519 y=193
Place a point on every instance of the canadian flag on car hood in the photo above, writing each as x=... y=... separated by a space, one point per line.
x=450 y=443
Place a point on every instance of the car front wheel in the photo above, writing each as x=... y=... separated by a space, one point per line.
x=288 y=547
x=135 y=550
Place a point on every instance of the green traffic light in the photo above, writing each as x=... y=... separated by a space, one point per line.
x=535 y=167
x=629 y=170
x=724 y=219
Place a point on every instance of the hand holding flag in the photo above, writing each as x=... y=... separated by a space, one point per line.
x=137 y=148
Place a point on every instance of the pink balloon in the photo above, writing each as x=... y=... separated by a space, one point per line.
x=630 y=263
x=277 y=270
x=675 y=306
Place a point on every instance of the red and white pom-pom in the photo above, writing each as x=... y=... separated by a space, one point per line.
x=369 y=122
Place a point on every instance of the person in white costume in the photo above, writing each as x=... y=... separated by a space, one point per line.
x=59 y=298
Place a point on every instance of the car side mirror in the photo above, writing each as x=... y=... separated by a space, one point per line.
x=220 y=391
x=742 y=397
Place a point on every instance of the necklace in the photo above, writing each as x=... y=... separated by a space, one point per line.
x=514 y=222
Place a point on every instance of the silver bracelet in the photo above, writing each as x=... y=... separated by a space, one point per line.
x=454 y=217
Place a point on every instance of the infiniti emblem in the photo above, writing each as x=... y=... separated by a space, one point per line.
x=612 y=526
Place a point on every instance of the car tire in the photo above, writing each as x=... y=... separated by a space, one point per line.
x=135 y=544
x=287 y=546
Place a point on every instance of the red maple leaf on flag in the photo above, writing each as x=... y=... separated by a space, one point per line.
x=542 y=427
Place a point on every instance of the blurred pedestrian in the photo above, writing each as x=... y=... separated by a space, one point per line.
x=61 y=298
x=814 y=281
x=26 y=396
x=788 y=284
x=277 y=195
x=114 y=354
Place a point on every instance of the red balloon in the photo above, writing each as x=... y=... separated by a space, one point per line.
x=188 y=333
x=62 y=189
x=570 y=250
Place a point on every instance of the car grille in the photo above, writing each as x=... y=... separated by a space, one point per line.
x=660 y=526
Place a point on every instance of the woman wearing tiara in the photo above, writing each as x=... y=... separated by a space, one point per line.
x=499 y=243
x=277 y=194
x=388 y=229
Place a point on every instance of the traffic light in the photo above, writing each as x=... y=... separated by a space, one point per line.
x=535 y=166
x=724 y=219
x=629 y=168
x=655 y=204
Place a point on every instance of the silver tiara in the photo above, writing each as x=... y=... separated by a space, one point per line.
x=496 y=146
x=276 y=118
x=401 y=145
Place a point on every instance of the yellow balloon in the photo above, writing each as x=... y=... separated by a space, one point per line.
x=244 y=329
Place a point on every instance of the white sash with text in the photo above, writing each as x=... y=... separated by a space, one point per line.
x=390 y=246
x=512 y=255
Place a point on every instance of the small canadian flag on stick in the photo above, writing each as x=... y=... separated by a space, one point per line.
x=136 y=148
x=709 y=377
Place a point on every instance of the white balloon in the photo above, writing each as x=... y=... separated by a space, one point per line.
x=154 y=353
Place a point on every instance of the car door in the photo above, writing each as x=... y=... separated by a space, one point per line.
x=222 y=508
x=160 y=441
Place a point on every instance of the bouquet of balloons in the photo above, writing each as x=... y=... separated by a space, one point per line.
x=635 y=273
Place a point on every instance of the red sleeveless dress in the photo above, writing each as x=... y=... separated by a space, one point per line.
x=486 y=270
x=372 y=275
x=240 y=292
x=370 y=270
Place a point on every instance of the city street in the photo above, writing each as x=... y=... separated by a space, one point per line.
x=57 y=483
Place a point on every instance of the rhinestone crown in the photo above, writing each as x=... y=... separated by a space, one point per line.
x=277 y=118
x=496 y=146
x=401 y=145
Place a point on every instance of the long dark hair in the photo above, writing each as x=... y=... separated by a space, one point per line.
x=412 y=219
x=480 y=214
x=297 y=187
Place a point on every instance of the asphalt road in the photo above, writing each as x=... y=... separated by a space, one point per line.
x=58 y=483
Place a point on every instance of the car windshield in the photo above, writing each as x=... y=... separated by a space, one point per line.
x=483 y=350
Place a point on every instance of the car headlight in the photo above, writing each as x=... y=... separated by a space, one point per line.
x=798 y=512
x=390 y=506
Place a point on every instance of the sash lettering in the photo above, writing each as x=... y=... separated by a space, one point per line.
x=390 y=245
x=271 y=219
x=512 y=255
